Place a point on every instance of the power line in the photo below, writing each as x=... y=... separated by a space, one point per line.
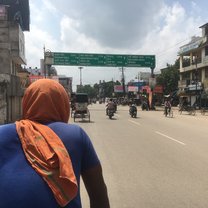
x=171 y=47
x=162 y=53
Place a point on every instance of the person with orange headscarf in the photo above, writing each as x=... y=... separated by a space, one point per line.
x=42 y=156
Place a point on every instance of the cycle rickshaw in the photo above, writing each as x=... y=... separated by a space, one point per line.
x=79 y=106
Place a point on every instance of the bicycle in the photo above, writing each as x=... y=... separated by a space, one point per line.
x=168 y=112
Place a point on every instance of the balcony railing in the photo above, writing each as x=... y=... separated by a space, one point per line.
x=187 y=62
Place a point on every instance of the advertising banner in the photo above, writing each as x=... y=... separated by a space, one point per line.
x=132 y=89
x=33 y=78
x=119 y=88
x=146 y=88
x=158 y=89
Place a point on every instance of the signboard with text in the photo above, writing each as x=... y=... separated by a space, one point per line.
x=103 y=60
x=133 y=89
x=119 y=88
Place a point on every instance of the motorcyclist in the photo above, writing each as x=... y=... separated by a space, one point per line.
x=145 y=103
x=110 y=106
x=132 y=108
x=115 y=104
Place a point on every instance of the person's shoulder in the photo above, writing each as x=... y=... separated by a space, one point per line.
x=63 y=125
x=7 y=127
x=66 y=129
x=8 y=133
x=70 y=134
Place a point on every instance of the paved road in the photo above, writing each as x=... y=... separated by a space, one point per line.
x=151 y=161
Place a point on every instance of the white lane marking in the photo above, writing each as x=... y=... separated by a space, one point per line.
x=175 y=140
x=135 y=122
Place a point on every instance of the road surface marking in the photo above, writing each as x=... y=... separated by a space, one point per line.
x=175 y=140
x=135 y=122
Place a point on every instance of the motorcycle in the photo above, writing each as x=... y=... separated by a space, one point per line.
x=110 y=113
x=133 y=111
x=145 y=106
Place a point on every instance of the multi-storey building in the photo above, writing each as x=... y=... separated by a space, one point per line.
x=194 y=69
x=14 y=20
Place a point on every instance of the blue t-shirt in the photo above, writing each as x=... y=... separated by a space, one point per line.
x=21 y=186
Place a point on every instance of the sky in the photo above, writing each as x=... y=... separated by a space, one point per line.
x=136 y=27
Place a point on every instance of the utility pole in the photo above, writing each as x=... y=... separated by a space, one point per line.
x=80 y=68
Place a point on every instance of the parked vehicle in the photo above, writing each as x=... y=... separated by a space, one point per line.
x=185 y=105
x=204 y=110
x=188 y=108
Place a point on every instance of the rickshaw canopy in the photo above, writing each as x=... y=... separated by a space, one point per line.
x=81 y=98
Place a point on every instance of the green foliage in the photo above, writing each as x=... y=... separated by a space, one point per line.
x=109 y=88
x=93 y=92
x=169 y=78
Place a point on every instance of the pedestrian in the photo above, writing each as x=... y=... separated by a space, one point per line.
x=42 y=156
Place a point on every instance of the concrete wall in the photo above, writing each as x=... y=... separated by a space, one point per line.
x=11 y=58
x=4 y=47
x=3 y=104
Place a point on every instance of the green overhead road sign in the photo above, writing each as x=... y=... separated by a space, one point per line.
x=103 y=60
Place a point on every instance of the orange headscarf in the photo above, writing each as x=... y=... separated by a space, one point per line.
x=45 y=101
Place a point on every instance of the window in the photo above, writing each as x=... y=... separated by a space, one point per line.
x=186 y=76
x=206 y=31
x=206 y=50
x=206 y=73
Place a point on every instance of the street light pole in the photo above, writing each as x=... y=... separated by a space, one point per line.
x=123 y=81
x=44 y=60
x=80 y=68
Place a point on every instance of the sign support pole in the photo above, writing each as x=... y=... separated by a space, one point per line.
x=123 y=81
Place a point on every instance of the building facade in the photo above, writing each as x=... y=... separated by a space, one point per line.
x=12 y=56
x=194 y=69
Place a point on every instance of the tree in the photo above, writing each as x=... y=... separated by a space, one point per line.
x=91 y=91
x=94 y=92
x=169 y=77
x=109 y=88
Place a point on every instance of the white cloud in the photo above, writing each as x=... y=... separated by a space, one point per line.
x=50 y=7
x=74 y=41
x=35 y=40
x=111 y=26
x=176 y=30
